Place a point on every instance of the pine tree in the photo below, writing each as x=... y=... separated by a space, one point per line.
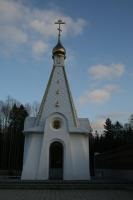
x=108 y=126
x=118 y=129
x=16 y=137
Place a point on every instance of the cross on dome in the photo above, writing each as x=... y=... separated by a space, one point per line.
x=59 y=50
x=59 y=22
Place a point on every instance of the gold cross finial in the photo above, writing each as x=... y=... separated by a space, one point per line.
x=59 y=22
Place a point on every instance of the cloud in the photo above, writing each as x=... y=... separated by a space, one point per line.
x=97 y=96
x=44 y=24
x=106 y=71
x=23 y=25
x=11 y=34
x=39 y=47
x=11 y=11
x=98 y=125
x=115 y=116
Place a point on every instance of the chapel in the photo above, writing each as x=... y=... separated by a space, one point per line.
x=57 y=140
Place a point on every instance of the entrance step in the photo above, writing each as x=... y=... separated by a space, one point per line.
x=62 y=185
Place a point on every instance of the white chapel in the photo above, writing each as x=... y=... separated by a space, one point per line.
x=56 y=141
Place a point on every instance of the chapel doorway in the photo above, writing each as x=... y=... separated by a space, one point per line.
x=56 y=161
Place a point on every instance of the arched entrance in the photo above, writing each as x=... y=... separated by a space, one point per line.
x=56 y=161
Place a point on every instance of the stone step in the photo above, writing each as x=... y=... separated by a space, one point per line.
x=62 y=185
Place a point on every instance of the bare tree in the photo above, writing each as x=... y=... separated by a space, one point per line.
x=33 y=108
x=5 y=108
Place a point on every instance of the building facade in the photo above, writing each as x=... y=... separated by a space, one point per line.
x=56 y=141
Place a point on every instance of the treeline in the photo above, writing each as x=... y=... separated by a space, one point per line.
x=12 y=116
x=114 y=136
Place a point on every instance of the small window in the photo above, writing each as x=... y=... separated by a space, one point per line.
x=56 y=124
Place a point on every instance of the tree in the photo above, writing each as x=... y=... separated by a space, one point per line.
x=33 y=108
x=12 y=116
x=16 y=137
x=118 y=129
x=17 y=117
x=108 y=126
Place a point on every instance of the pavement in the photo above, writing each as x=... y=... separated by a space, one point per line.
x=94 y=194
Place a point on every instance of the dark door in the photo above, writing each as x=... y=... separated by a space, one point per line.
x=56 y=161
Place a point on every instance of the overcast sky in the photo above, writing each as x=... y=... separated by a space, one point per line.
x=98 y=37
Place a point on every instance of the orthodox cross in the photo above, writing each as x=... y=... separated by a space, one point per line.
x=59 y=22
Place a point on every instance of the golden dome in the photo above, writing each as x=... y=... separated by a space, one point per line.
x=59 y=50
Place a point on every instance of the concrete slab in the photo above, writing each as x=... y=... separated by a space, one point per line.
x=66 y=194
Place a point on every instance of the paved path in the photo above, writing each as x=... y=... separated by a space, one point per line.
x=66 y=194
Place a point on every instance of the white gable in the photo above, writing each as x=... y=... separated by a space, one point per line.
x=57 y=98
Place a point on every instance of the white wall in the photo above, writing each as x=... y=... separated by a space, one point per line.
x=51 y=135
x=80 y=155
x=76 y=152
x=33 y=144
